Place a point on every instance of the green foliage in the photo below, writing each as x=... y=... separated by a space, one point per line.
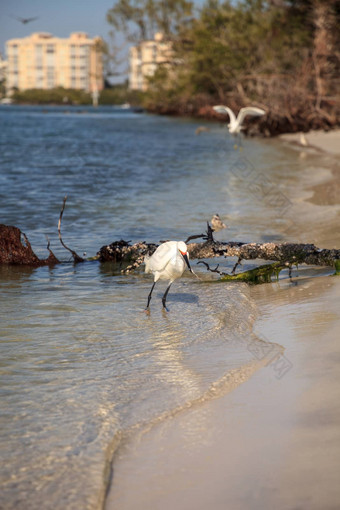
x=120 y=94
x=2 y=88
x=262 y=274
x=281 y=55
x=229 y=44
x=148 y=17
x=337 y=267
x=52 y=96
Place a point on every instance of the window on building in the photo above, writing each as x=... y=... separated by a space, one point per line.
x=50 y=78
x=84 y=82
x=39 y=81
x=83 y=51
x=38 y=56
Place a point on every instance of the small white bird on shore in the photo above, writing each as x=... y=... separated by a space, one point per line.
x=167 y=263
x=235 y=124
x=303 y=140
x=217 y=224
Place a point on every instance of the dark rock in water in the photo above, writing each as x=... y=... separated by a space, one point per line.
x=15 y=248
x=113 y=252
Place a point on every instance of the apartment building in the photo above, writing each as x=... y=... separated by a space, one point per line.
x=145 y=58
x=42 y=61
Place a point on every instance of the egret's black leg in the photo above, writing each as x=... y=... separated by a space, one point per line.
x=149 y=296
x=164 y=297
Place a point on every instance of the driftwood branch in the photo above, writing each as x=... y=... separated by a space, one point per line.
x=75 y=255
x=16 y=249
x=221 y=273
x=51 y=258
x=238 y=263
x=131 y=256
x=285 y=252
x=291 y=253
x=208 y=236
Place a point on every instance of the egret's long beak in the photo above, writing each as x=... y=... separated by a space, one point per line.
x=185 y=256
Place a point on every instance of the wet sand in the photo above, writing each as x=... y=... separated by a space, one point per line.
x=271 y=443
x=327 y=142
x=274 y=440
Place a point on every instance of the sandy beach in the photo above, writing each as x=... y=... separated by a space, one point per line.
x=327 y=142
x=273 y=441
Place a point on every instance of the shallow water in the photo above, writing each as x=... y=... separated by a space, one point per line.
x=82 y=367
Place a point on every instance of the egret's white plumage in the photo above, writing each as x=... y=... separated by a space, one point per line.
x=167 y=263
x=235 y=124
x=303 y=140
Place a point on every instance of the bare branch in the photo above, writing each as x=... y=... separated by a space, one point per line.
x=51 y=258
x=212 y=270
x=75 y=256
x=291 y=253
x=238 y=263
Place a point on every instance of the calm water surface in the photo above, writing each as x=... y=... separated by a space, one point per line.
x=81 y=366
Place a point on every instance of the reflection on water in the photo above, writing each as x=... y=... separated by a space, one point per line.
x=81 y=364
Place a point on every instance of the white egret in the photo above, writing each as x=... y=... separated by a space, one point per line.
x=167 y=263
x=216 y=223
x=235 y=124
x=303 y=140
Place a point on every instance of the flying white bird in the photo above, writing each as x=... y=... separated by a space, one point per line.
x=235 y=124
x=216 y=223
x=167 y=263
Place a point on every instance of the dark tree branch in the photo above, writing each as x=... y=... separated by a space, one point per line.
x=285 y=252
x=75 y=256
x=13 y=251
x=238 y=263
x=291 y=253
x=191 y=238
x=52 y=259
x=212 y=270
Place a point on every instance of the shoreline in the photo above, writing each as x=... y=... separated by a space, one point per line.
x=270 y=442
x=323 y=141
x=317 y=139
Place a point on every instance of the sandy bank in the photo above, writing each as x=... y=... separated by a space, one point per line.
x=324 y=141
x=272 y=443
